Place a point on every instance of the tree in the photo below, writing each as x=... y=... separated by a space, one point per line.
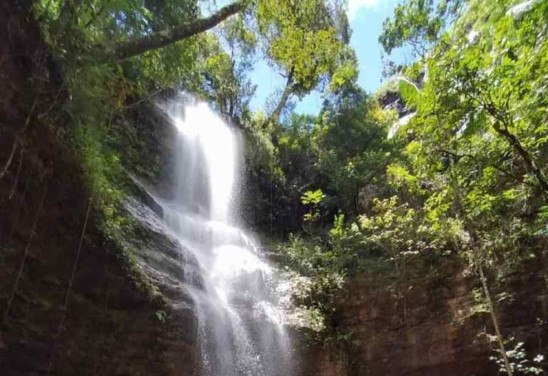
x=117 y=30
x=304 y=40
x=473 y=147
x=418 y=24
x=353 y=148
x=225 y=69
x=158 y=39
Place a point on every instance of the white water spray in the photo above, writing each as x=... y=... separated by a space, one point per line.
x=241 y=328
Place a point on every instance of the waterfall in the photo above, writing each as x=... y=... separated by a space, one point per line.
x=237 y=299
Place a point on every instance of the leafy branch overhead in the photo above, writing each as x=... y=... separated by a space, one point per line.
x=158 y=39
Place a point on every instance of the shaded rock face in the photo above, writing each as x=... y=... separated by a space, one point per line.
x=434 y=329
x=145 y=141
x=111 y=324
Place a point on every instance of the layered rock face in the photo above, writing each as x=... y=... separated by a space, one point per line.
x=434 y=328
x=115 y=317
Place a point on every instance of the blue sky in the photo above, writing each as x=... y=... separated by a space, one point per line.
x=366 y=18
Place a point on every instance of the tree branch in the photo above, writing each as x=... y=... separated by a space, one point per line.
x=288 y=90
x=162 y=38
x=526 y=158
x=500 y=125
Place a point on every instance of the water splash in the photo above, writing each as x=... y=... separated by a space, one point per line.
x=241 y=327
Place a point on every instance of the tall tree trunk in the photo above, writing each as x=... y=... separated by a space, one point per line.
x=528 y=161
x=478 y=264
x=495 y=320
x=288 y=90
x=162 y=38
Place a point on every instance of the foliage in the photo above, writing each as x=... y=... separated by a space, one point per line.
x=418 y=23
x=352 y=147
x=161 y=315
x=225 y=69
x=323 y=278
x=307 y=41
x=465 y=176
x=340 y=151
x=312 y=199
x=520 y=363
x=474 y=171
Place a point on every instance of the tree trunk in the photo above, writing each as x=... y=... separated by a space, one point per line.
x=288 y=90
x=478 y=264
x=495 y=320
x=162 y=38
x=530 y=164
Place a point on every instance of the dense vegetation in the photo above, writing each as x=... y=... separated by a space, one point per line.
x=463 y=173
x=446 y=161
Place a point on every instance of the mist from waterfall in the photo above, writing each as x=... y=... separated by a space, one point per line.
x=236 y=295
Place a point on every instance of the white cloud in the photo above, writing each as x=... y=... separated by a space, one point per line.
x=355 y=5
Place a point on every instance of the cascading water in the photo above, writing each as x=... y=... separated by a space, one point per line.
x=241 y=328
